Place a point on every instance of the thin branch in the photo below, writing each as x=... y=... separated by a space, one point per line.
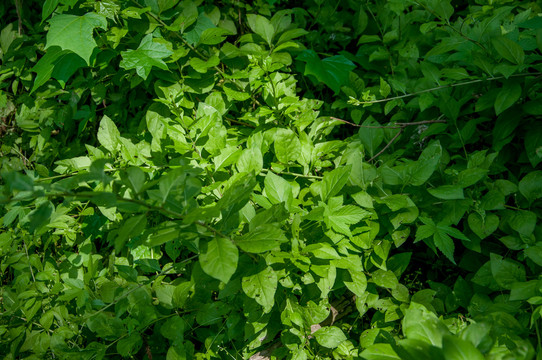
x=493 y=78
x=387 y=145
x=293 y=174
x=396 y=126
x=18 y=4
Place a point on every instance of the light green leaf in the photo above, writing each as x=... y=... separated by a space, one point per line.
x=334 y=181
x=457 y=349
x=447 y=192
x=213 y=36
x=340 y=219
x=278 y=190
x=109 y=135
x=261 y=26
x=322 y=251
x=329 y=336
x=250 y=160
x=219 y=260
x=74 y=33
x=263 y=238
x=421 y=324
x=147 y=55
x=48 y=7
x=509 y=49
x=386 y=279
x=261 y=287
x=287 y=146
x=509 y=94
x=379 y=351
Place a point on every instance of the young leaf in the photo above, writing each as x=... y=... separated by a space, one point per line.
x=147 y=55
x=219 y=260
x=261 y=26
x=74 y=33
x=109 y=135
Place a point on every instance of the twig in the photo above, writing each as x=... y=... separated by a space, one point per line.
x=493 y=78
x=293 y=174
x=387 y=145
x=396 y=126
x=18 y=4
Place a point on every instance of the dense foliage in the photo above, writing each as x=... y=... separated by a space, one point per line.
x=298 y=180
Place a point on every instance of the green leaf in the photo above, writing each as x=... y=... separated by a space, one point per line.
x=509 y=94
x=291 y=34
x=219 y=260
x=421 y=324
x=261 y=26
x=173 y=328
x=533 y=145
x=457 y=349
x=213 y=36
x=147 y=55
x=287 y=146
x=332 y=71
x=386 y=279
x=329 y=336
x=334 y=181
x=57 y=64
x=278 y=190
x=261 y=287
x=339 y=218
x=129 y=345
x=506 y=272
x=447 y=192
x=74 y=33
x=535 y=253
x=40 y=216
x=509 y=49
x=48 y=7
x=357 y=282
x=531 y=186
x=263 y=238
x=483 y=227
x=109 y=135
x=379 y=351
x=251 y=160
x=445 y=244
x=371 y=138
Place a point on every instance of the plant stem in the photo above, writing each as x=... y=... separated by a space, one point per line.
x=493 y=78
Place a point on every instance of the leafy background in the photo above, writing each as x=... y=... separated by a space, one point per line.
x=292 y=180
